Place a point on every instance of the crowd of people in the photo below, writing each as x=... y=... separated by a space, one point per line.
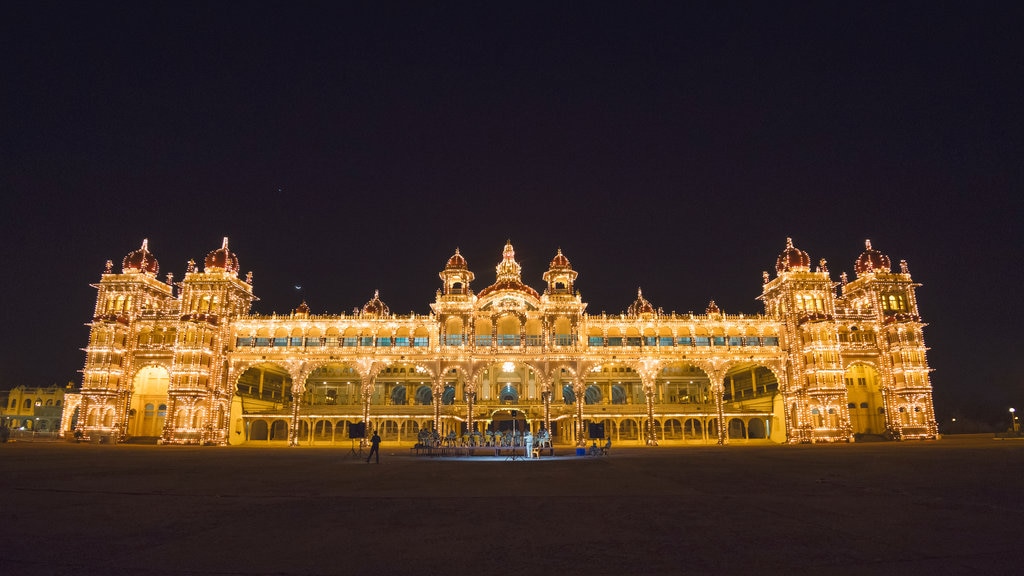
x=490 y=438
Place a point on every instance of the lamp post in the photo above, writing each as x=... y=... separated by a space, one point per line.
x=1014 y=423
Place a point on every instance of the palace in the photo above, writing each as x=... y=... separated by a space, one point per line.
x=188 y=362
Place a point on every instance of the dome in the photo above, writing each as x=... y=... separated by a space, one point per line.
x=712 y=308
x=221 y=260
x=376 y=307
x=302 y=309
x=509 y=275
x=871 y=260
x=456 y=261
x=792 y=259
x=560 y=261
x=508 y=285
x=141 y=260
x=640 y=305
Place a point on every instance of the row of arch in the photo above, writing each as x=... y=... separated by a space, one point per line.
x=507 y=324
x=337 y=431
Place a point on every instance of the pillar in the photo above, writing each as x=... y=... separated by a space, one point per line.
x=650 y=434
x=293 y=429
x=718 y=390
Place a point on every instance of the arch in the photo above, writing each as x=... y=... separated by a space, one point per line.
x=424 y=395
x=568 y=394
x=508 y=394
x=757 y=429
x=149 y=389
x=692 y=429
x=279 y=430
x=629 y=429
x=398 y=395
x=672 y=429
x=684 y=384
x=619 y=394
x=749 y=381
x=592 y=395
x=737 y=428
x=263 y=385
x=864 y=392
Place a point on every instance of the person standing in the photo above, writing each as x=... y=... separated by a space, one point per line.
x=374 y=447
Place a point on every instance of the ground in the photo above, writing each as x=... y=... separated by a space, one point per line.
x=951 y=506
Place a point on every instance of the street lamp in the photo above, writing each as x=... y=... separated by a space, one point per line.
x=1014 y=423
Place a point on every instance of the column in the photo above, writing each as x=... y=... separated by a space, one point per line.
x=438 y=387
x=546 y=395
x=651 y=435
x=293 y=430
x=581 y=440
x=470 y=398
x=366 y=392
x=718 y=389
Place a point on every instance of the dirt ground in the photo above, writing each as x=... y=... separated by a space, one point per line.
x=952 y=506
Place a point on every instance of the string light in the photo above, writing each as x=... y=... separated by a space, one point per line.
x=801 y=344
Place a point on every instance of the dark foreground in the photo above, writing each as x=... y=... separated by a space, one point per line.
x=952 y=506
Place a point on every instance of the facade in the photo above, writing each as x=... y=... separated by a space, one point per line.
x=33 y=408
x=188 y=363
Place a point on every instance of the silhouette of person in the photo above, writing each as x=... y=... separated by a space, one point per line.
x=374 y=448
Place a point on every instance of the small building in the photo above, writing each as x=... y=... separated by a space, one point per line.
x=32 y=408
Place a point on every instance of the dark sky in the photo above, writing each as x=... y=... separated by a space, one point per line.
x=348 y=147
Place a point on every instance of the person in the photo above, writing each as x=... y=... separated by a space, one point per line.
x=607 y=447
x=528 y=442
x=594 y=450
x=374 y=447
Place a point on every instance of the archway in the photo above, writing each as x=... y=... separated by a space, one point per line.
x=864 y=399
x=148 y=402
x=508 y=420
x=264 y=387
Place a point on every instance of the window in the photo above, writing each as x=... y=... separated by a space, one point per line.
x=595 y=341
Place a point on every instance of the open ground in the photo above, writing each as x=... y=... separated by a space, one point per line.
x=951 y=506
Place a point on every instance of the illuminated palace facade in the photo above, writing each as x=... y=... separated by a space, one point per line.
x=188 y=362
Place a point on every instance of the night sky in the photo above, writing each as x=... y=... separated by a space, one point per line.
x=345 y=148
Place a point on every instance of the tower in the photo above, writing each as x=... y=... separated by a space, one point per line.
x=454 y=302
x=124 y=303
x=888 y=298
x=563 y=307
x=199 y=395
x=814 y=393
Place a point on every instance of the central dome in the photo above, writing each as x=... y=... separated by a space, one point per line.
x=509 y=275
